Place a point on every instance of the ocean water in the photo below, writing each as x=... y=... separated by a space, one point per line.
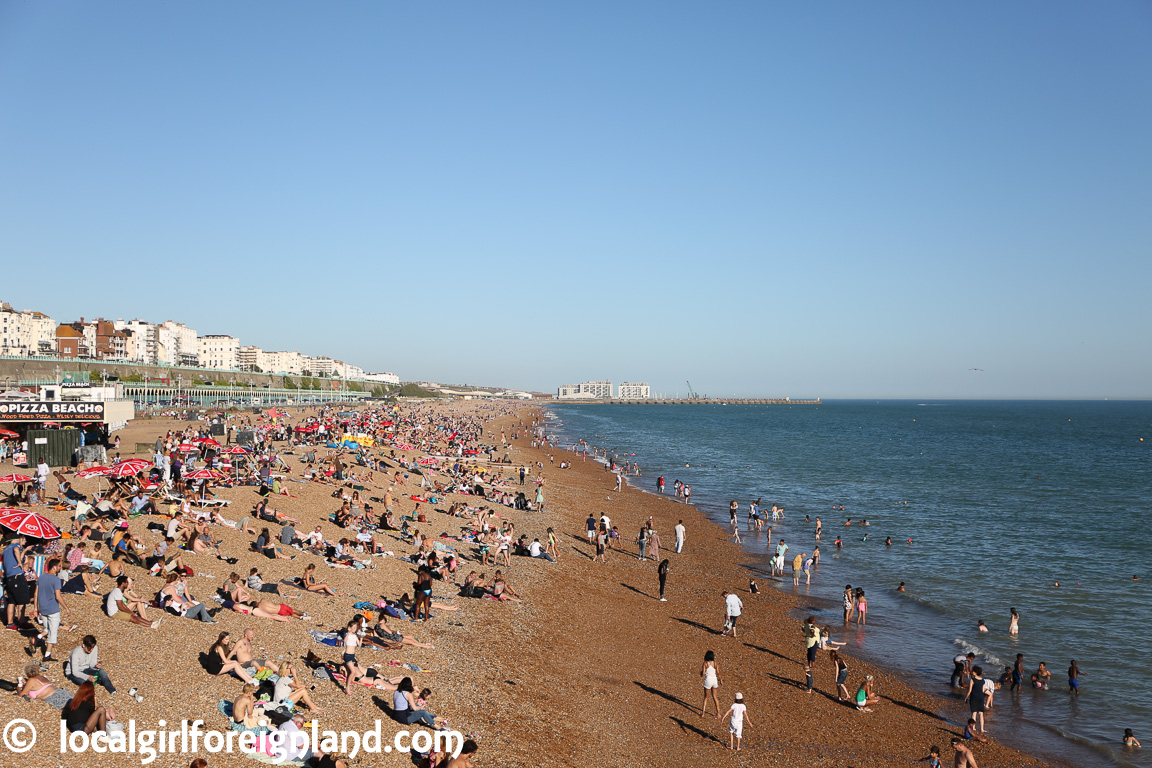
x=1004 y=500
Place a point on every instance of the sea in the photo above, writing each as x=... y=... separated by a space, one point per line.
x=1041 y=506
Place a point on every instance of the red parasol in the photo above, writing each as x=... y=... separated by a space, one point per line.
x=186 y=448
x=8 y=433
x=207 y=441
x=205 y=474
x=15 y=479
x=129 y=468
x=84 y=474
x=235 y=450
x=28 y=523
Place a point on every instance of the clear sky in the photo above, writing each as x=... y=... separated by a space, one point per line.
x=833 y=199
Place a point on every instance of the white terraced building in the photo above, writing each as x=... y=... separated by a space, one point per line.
x=634 y=391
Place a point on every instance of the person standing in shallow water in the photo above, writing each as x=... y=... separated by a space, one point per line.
x=1014 y=623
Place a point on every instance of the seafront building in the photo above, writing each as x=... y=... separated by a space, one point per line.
x=588 y=390
x=26 y=333
x=634 y=391
x=36 y=335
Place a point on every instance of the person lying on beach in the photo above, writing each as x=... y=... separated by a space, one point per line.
x=263 y=512
x=220 y=661
x=257 y=584
x=33 y=686
x=83 y=582
x=253 y=609
x=308 y=581
x=384 y=632
x=244 y=524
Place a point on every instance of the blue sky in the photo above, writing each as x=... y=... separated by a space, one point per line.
x=762 y=198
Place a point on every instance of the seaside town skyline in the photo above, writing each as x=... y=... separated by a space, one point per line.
x=32 y=334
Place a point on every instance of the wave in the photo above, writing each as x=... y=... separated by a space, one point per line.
x=988 y=656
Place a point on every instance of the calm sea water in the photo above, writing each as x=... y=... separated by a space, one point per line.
x=1004 y=499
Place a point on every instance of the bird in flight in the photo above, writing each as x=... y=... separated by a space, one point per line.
x=976 y=369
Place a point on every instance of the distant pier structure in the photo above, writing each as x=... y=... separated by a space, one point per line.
x=699 y=401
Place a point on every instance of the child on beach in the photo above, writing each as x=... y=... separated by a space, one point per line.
x=738 y=711
x=933 y=758
x=970 y=733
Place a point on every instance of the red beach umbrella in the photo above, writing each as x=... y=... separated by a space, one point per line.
x=207 y=441
x=84 y=474
x=235 y=450
x=28 y=523
x=186 y=448
x=15 y=479
x=129 y=468
x=205 y=474
x=8 y=433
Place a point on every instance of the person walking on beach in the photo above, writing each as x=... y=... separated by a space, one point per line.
x=653 y=544
x=710 y=671
x=735 y=531
x=737 y=712
x=733 y=607
x=642 y=541
x=602 y=545
x=590 y=523
x=662 y=572
x=680 y=531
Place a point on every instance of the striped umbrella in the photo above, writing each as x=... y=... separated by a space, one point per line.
x=28 y=523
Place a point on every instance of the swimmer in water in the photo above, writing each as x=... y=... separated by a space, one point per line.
x=839 y=543
x=888 y=541
x=900 y=588
x=1074 y=679
x=1130 y=738
x=981 y=626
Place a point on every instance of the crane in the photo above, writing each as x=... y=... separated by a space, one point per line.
x=691 y=394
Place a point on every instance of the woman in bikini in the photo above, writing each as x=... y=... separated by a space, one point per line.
x=352 y=669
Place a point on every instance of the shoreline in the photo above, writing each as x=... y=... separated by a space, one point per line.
x=658 y=667
x=900 y=645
